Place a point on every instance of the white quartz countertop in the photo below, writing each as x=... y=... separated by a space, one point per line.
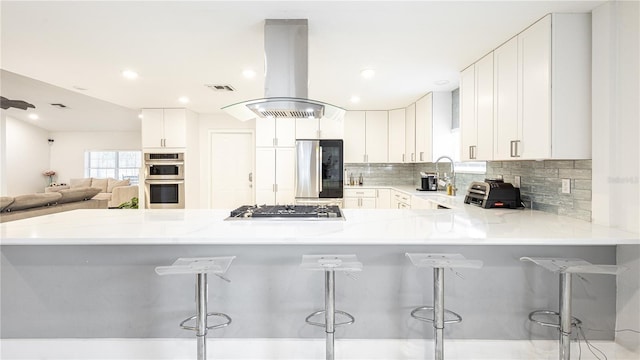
x=461 y=225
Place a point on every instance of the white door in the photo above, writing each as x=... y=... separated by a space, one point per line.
x=332 y=129
x=307 y=129
x=231 y=175
x=152 y=127
x=484 y=108
x=175 y=128
x=424 y=128
x=286 y=132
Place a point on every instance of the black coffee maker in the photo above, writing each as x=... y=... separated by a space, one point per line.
x=428 y=182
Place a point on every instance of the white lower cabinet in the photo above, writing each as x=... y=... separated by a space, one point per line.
x=369 y=198
x=400 y=200
x=383 y=198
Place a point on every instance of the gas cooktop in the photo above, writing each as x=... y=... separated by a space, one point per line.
x=287 y=212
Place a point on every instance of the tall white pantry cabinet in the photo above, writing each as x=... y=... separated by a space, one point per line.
x=275 y=161
x=541 y=94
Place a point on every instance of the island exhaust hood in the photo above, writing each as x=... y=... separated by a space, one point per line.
x=286 y=78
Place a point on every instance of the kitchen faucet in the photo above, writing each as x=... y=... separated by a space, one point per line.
x=453 y=173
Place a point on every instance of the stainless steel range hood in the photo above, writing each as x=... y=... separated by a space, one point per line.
x=286 y=78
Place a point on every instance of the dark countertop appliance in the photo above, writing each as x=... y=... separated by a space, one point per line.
x=428 y=182
x=493 y=194
x=287 y=212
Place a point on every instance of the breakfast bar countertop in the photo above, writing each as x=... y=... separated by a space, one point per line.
x=461 y=225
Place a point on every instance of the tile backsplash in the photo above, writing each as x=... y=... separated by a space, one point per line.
x=540 y=181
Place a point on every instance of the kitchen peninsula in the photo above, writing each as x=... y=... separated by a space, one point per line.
x=90 y=274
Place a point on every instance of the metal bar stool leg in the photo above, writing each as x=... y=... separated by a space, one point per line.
x=565 y=316
x=438 y=312
x=201 y=315
x=330 y=311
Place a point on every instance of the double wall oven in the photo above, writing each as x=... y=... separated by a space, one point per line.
x=164 y=180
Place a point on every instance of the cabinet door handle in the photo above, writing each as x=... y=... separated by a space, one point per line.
x=470 y=152
x=514 y=148
x=402 y=157
x=413 y=157
x=421 y=155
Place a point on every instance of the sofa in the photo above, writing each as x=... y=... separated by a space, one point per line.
x=114 y=191
x=30 y=205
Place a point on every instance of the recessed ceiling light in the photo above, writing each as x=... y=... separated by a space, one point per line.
x=355 y=99
x=129 y=74
x=33 y=116
x=367 y=73
x=140 y=116
x=249 y=74
x=441 y=82
x=184 y=99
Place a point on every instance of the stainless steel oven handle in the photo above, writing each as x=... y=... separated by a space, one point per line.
x=319 y=169
x=165 y=182
x=168 y=163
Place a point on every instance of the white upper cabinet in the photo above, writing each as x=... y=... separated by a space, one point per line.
x=424 y=129
x=271 y=132
x=396 y=135
x=366 y=137
x=354 y=137
x=476 y=110
x=410 y=133
x=505 y=99
x=376 y=139
x=542 y=91
x=319 y=128
x=164 y=128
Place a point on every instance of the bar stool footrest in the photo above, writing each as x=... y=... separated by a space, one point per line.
x=532 y=317
x=414 y=314
x=350 y=317
x=217 y=326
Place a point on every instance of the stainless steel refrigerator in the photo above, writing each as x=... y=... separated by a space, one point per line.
x=319 y=171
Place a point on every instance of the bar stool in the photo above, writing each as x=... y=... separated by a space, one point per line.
x=566 y=267
x=201 y=267
x=439 y=262
x=330 y=264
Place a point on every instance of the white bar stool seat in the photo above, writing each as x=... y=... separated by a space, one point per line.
x=437 y=312
x=202 y=266
x=565 y=267
x=330 y=264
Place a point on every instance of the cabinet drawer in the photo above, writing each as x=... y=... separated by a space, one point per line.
x=364 y=193
x=402 y=197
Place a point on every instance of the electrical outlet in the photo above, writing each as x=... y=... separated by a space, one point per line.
x=566 y=186
x=516 y=181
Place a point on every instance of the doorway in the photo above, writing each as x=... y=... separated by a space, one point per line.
x=231 y=169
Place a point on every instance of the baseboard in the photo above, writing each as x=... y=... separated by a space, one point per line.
x=294 y=349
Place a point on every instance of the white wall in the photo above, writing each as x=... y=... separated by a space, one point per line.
x=27 y=156
x=208 y=123
x=616 y=110
x=616 y=149
x=67 y=151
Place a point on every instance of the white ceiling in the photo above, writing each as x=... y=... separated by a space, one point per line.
x=178 y=46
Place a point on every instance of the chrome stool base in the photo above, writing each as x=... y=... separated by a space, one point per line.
x=566 y=268
x=201 y=267
x=330 y=264
x=438 y=262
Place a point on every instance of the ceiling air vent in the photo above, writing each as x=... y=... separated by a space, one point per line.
x=60 y=106
x=220 y=88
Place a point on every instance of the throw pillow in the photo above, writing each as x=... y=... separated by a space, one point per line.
x=115 y=183
x=5 y=201
x=79 y=183
x=77 y=194
x=22 y=202
x=100 y=184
